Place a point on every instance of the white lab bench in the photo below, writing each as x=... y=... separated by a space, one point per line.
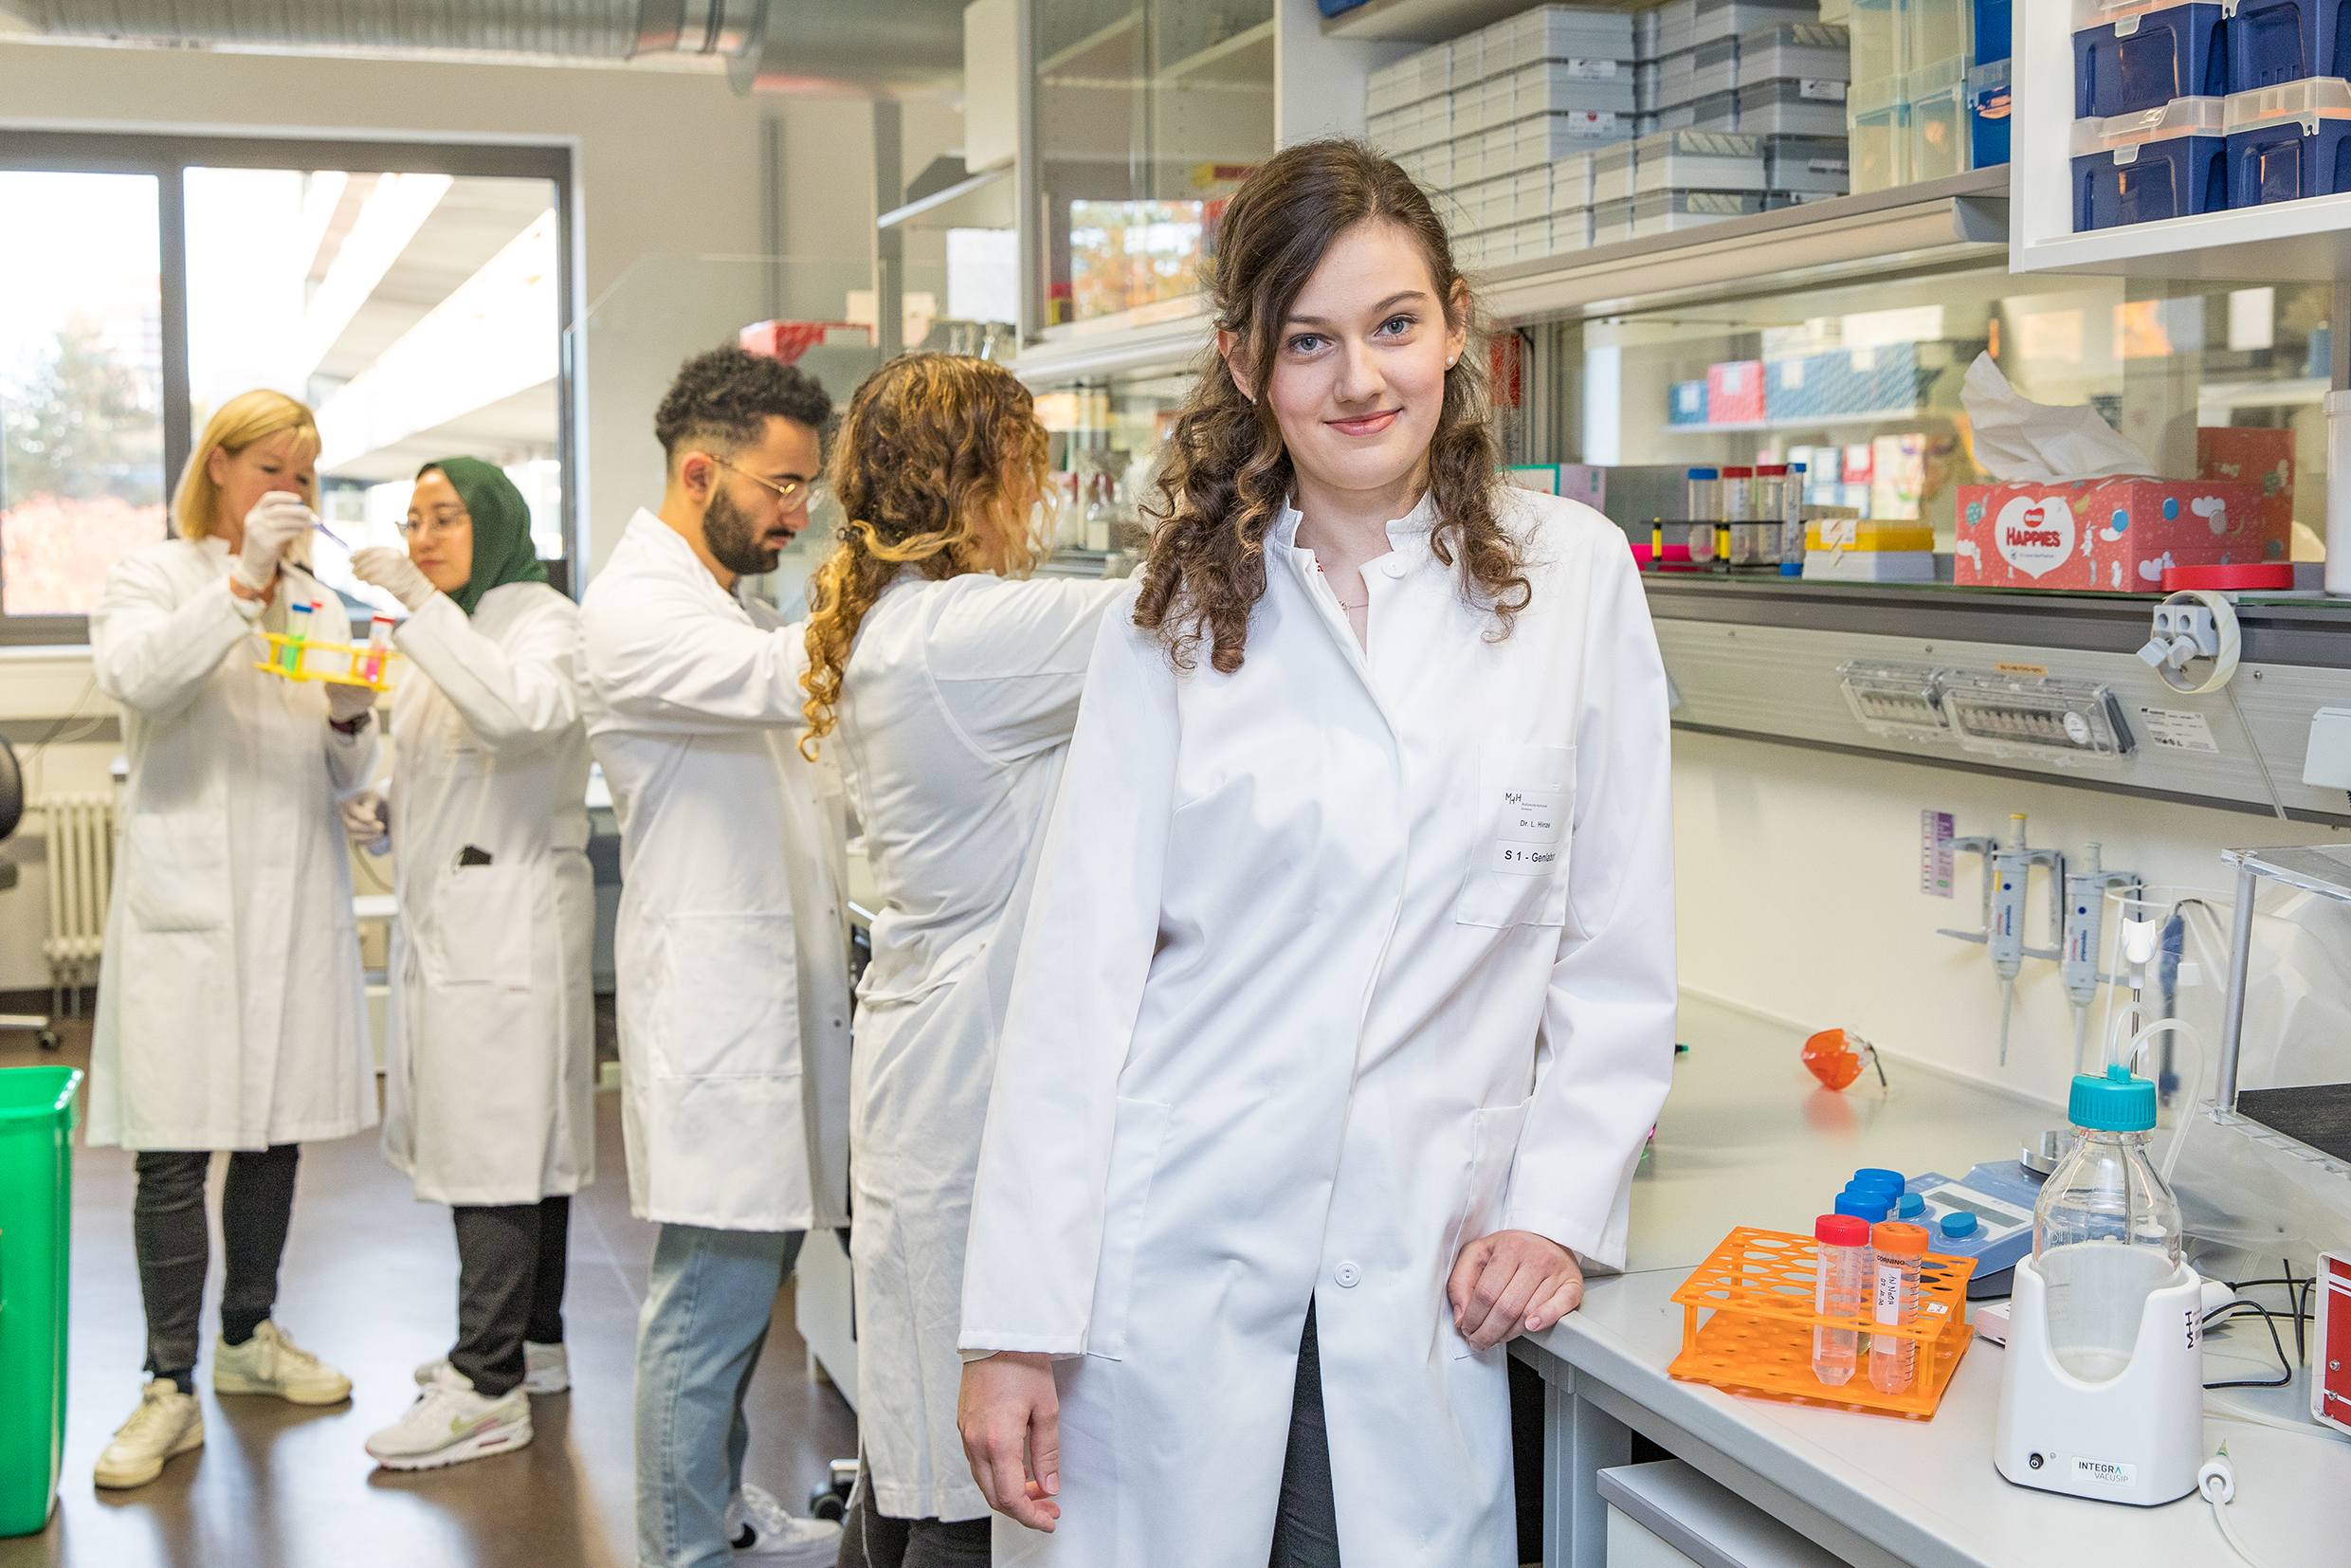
x=1748 y=1139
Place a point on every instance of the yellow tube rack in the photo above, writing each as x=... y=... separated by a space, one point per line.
x=315 y=659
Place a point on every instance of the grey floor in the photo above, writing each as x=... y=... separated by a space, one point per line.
x=369 y=1284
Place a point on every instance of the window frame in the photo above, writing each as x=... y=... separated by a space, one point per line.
x=168 y=157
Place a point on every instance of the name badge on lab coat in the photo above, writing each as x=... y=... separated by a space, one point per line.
x=1527 y=843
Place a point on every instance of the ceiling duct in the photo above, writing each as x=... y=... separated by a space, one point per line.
x=914 y=46
x=728 y=27
x=766 y=46
x=587 y=29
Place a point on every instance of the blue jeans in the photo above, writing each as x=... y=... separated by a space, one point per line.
x=706 y=1311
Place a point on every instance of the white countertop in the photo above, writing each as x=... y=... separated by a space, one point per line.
x=1748 y=1139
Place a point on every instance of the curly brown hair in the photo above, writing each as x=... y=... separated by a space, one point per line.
x=1227 y=470
x=938 y=462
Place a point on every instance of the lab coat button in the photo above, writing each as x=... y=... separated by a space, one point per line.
x=1348 y=1275
x=1393 y=567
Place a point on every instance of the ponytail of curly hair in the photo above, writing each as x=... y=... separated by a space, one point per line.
x=1227 y=471
x=937 y=464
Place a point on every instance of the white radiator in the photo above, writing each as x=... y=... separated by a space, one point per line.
x=82 y=877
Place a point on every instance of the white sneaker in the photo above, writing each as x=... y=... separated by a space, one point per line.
x=451 y=1423
x=546 y=1369
x=166 y=1422
x=271 y=1363
x=757 y=1526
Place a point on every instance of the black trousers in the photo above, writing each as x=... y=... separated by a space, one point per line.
x=871 y=1538
x=1305 y=1530
x=511 y=1259
x=174 y=1247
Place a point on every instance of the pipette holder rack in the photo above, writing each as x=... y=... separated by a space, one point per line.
x=325 y=660
x=1755 y=1293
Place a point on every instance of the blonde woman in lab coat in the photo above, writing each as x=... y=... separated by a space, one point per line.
x=488 y=1082
x=1346 y=998
x=230 y=1010
x=950 y=687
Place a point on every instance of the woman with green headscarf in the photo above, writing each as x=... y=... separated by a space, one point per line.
x=489 y=1070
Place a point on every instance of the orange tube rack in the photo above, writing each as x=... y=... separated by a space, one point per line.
x=1756 y=1292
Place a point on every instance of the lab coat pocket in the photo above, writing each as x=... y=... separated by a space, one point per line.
x=1493 y=1149
x=178 y=871
x=484 y=914
x=1518 y=856
x=733 y=1005
x=1142 y=1127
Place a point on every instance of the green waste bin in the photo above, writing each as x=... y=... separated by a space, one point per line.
x=38 y=1108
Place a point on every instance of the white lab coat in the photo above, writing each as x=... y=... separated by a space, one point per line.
x=232 y=1012
x=489 y=1075
x=1313 y=990
x=956 y=708
x=733 y=942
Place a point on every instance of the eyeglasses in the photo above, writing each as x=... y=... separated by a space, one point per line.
x=792 y=493
x=448 y=521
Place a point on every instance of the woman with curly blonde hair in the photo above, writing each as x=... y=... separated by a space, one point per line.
x=950 y=686
x=1347 y=996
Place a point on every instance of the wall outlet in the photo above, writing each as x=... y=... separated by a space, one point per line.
x=2327 y=765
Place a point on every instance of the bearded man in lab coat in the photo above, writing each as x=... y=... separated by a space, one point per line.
x=732 y=942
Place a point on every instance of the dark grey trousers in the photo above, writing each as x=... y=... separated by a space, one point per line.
x=511 y=1259
x=871 y=1538
x=174 y=1247
x=1305 y=1530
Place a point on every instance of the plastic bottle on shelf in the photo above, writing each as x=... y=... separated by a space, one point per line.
x=1771 y=502
x=1792 y=523
x=1705 y=508
x=1846 y=1260
x=1893 y=1361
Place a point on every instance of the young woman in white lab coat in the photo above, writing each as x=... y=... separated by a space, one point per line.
x=230 y=1010
x=1346 y=998
x=950 y=686
x=489 y=1072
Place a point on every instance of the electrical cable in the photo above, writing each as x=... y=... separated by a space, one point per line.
x=2286 y=1368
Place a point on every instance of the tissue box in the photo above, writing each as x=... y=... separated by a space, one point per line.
x=2225 y=451
x=2108 y=534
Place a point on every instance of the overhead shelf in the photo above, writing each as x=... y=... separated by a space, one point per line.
x=1421 y=21
x=1961 y=217
x=1247 y=56
x=2307 y=241
x=1817 y=421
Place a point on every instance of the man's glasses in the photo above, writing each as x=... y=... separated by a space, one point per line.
x=792 y=493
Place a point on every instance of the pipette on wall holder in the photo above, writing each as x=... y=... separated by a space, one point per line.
x=2085 y=920
x=2007 y=876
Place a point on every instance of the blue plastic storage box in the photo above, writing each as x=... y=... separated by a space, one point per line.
x=1793 y=388
x=2278 y=41
x=1687 y=403
x=1987 y=111
x=1991 y=30
x=2144 y=58
x=2162 y=163
x=2289 y=141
